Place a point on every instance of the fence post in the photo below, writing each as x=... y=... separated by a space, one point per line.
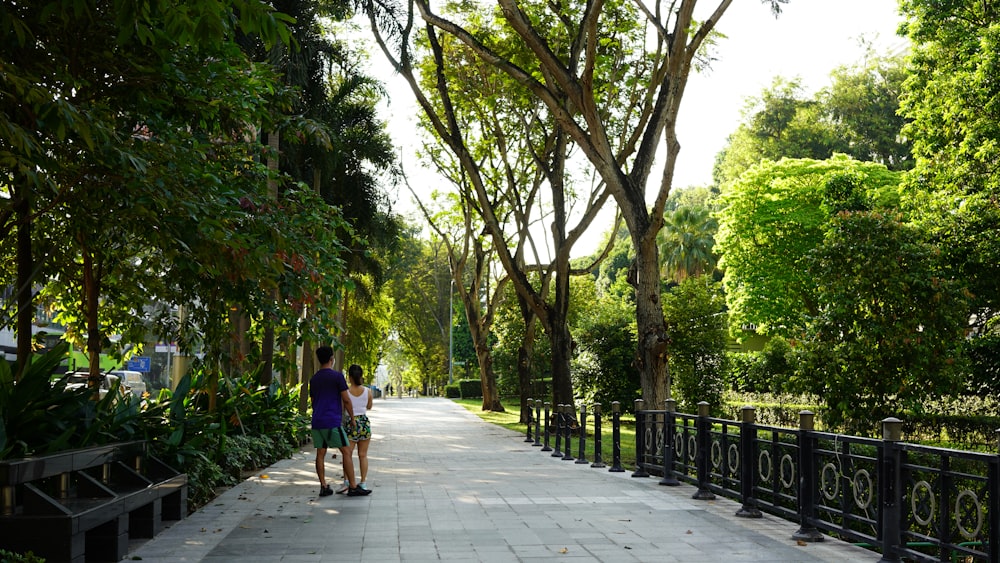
x=568 y=419
x=640 y=439
x=538 y=422
x=581 y=456
x=807 y=480
x=598 y=442
x=701 y=458
x=889 y=484
x=616 y=438
x=669 y=480
x=994 y=492
x=748 y=453
x=527 y=437
x=546 y=448
x=559 y=431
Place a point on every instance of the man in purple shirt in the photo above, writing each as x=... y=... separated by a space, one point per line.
x=329 y=395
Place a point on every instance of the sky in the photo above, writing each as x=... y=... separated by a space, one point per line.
x=808 y=40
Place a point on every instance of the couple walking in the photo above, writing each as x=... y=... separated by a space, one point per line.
x=331 y=399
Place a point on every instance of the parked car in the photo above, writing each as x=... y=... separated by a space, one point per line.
x=78 y=379
x=133 y=379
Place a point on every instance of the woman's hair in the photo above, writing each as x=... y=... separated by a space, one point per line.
x=354 y=372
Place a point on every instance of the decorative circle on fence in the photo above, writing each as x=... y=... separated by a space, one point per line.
x=922 y=496
x=678 y=444
x=960 y=514
x=829 y=484
x=863 y=489
x=692 y=447
x=647 y=439
x=786 y=470
x=764 y=461
x=716 y=454
x=659 y=441
x=734 y=459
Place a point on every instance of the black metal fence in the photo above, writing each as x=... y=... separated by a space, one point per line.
x=906 y=501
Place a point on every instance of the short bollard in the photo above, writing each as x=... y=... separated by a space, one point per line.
x=538 y=422
x=748 y=435
x=559 y=431
x=640 y=439
x=527 y=437
x=704 y=441
x=581 y=456
x=669 y=408
x=807 y=480
x=569 y=418
x=598 y=456
x=616 y=438
x=891 y=509
x=546 y=448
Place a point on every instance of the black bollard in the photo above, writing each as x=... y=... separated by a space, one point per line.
x=527 y=436
x=538 y=422
x=581 y=456
x=559 y=431
x=807 y=480
x=640 y=439
x=616 y=438
x=669 y=479
x=748 y=475
x=598 y=456
x=568 y=432
x=701 y=458
x=546 y=448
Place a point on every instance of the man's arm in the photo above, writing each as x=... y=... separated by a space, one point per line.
x=345 y=397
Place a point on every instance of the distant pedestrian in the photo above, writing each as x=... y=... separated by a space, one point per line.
x=361 y=433
x=330 y=398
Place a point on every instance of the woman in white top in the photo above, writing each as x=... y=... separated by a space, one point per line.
x=361 y=433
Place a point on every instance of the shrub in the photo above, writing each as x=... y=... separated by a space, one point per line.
x=470 y=388
x=452 y=391
x=11 y=557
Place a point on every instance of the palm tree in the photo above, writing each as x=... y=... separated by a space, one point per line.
x=686 y=242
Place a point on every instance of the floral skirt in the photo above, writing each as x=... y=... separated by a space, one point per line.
x=362 y=429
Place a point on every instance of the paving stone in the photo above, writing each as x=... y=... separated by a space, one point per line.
x=447 y=486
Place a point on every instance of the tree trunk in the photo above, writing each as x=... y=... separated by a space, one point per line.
x=651 y=356
x=524 y=359
x=308 y=367
x=25 y=265
x=480 y=341
x=91 y=306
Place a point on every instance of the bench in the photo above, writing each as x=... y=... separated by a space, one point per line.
x=85 y=504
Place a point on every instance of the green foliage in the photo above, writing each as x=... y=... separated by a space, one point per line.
x=696 y=322
x=603 y=364
x=470 y=388
x=887 y=328
x=856 y=115
x=10 y=557
x=686 y=243
x=39 y=415
x=772 y=218
x=453 y=391
x=983 y=379
x=745 y=372
x=952 y=97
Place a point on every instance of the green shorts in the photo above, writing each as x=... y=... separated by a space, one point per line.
x=324 y=438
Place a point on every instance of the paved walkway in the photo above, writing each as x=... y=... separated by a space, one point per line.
x=448 y=486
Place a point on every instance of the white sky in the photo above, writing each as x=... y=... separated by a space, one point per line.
x=808 y=40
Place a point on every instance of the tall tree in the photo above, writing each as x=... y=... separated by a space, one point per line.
x=687 y=243
x=771 y=219
x=856 y=115
x=952 y=97
x=564 y=52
